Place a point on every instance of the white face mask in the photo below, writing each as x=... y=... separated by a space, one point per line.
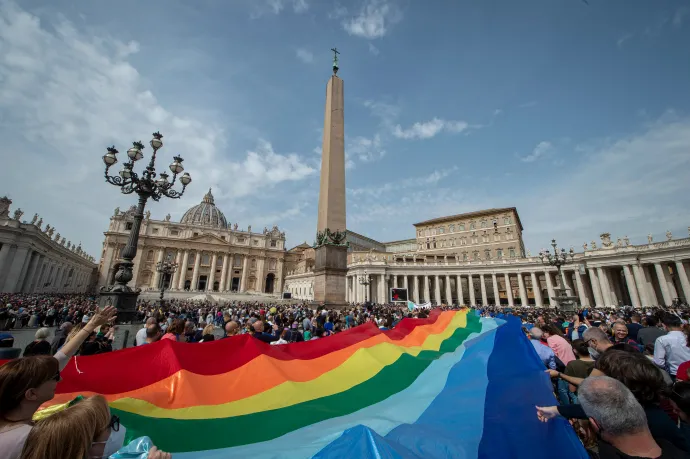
x=593 y=353
x=115 y=441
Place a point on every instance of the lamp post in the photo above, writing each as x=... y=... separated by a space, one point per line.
x=146 y=186
x=365 y=280
x=557 y=259
x=166 y=267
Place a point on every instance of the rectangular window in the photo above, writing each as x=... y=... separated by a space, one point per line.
x=174 y=232
x=472 y=225
x=499 y=254
x=256 y=242
x=155 y=231
x=222 y=237
x=462 y=227
x=129 y=225
x=512 y=253
x=196 y=234
x=484 y=224
x=451 y=228
x=240 y=240
x=487 y=254
x=273 y=244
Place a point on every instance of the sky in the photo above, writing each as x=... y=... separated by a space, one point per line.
x=575 y=112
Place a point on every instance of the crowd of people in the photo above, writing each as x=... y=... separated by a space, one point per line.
x=621 y=376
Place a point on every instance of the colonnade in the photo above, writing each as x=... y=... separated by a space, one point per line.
x=637 y=283
x=27 y=270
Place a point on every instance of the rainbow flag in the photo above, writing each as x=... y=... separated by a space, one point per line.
x=451 y=385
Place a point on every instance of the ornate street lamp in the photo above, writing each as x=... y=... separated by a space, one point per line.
x=558 y=259
x=166 y=267
x=146 y=186
x=365 y=280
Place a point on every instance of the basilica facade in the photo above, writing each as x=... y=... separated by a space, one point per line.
x=212 y=255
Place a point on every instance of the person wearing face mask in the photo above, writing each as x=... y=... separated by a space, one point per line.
x=28 y=382
x=86 y=430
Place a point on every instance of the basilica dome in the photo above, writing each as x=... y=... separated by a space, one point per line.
x=205 y=214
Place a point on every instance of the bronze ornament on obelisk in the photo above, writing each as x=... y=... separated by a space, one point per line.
x=330 y=265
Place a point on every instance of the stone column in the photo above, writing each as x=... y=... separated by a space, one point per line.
x=596 y=290
x=427 y=295
x=382 y=297
x=449 y=292
x=567 y=283
x=638 y=274
x=156 y=274
x=663 y=284
x=581 y=292
x=549 y=288
x=12 y=278
x=405 y=284
x=415 y=286
x=279 y=277
x=458 y=285
x=437 y=290
x=632 y=288
x=395 y=281
x=4 y=255
x=212 y=274
x=245 y=274
x=536 y=290
x=30 y=272
x=684 y=283
x=36 y=277
x=470 y=285
x=523 y=290
x=176 y=275
x=671 y=285
x=482 y=287
x=494 y=282
x=195 y=273
x=224 y=274
x=605 y=287
x=348 y=293
x=509 y=290
x=182 y=270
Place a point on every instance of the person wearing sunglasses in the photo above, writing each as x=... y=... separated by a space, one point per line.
x=28 y=382
x=85 y=430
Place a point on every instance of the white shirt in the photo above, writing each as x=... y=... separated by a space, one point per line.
x=671 y=350
x=140 y=337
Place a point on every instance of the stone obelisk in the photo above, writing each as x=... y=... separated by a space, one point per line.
x=330 y=265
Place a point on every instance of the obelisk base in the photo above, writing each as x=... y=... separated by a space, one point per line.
x=330 y=275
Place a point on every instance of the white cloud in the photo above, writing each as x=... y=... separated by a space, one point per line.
x=305 y=56
x=428 y=129
x=365 y=149
x=373 y=49
x=623 y=39
x=386 y=112
x=338 y=12
x=539 y=151
x=66 y=95
x=680 y=15
x=262 y=7
x=374 y=19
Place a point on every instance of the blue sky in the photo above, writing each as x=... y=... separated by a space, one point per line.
x=577 y=114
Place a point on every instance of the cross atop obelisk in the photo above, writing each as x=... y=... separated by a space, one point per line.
x=330 y=264
x=335 y=60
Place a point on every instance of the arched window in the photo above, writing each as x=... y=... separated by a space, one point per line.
x=149 y=255
x=205 y=259
x=487 y=254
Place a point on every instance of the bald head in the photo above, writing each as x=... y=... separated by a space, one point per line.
x=151 y=321
x=231 y=328
x=258 y=326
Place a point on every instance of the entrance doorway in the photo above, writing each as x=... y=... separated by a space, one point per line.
x=187 y=284
x=216 y=286
x=270 y=280
x=235 y=284
x=202 y=283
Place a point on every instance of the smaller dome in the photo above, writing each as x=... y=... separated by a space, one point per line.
x=205 y=214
